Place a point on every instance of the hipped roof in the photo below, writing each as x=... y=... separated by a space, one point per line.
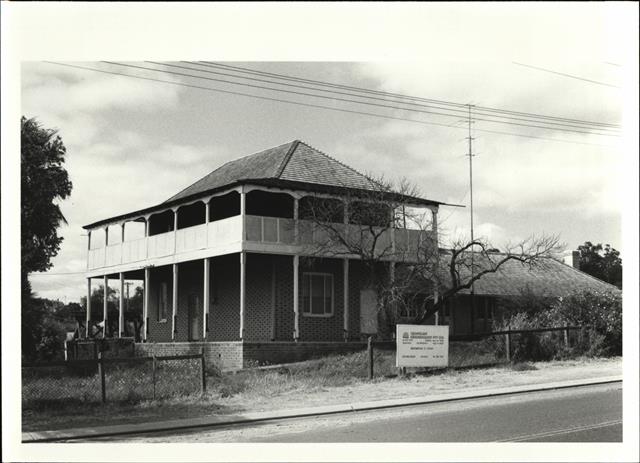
x=294 y=165
x=548 y=277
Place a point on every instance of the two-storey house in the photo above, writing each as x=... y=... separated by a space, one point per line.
x=221 y=260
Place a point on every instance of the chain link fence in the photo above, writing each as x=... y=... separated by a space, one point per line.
x=112 y=379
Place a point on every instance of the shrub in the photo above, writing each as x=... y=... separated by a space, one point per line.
x=599 y=312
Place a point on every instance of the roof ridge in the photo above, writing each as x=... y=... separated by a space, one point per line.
x=253 y=154
x=222 y=165
x=338 y=161
x=287 y=157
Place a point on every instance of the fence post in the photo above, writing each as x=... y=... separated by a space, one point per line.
x=507 y=338
x=566 y=336
x=153 y=374
x=102 y=378
x=202 y=372
x=370 y=356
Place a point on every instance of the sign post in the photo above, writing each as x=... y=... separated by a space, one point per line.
x=422 y=346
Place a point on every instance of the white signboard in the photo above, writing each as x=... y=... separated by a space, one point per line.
x=422 y=346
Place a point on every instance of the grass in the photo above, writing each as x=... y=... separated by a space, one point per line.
x=333 y=379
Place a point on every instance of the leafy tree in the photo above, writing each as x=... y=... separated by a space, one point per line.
x=44 y=182
x=97 y=308
x=602 y=262
x=45 y=326
x=133 y=313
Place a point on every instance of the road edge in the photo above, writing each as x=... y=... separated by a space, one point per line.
x=226 y=420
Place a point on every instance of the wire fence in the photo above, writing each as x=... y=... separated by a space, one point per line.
x=112 y=379
x=493 y=348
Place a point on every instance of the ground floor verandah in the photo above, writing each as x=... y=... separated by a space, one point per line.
x=261 y=298
x=242 y=296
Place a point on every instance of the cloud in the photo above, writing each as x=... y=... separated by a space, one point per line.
x=69 y=90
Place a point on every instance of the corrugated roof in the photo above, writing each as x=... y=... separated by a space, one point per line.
x=547 y=278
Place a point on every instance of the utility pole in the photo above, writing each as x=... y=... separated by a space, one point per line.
x=470 y=154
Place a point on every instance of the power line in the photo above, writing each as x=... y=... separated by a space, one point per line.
x=346 y=100
x=297 y=103
x=565 y=75
x=479 y=109
x=456 y=112
x=55 y=274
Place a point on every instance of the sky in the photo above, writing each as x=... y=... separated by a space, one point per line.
x=134 y=143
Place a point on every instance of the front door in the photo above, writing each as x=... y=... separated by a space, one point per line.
x=194 y=317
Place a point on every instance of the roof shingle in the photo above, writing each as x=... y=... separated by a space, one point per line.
x=294 y=161
x=547 y=278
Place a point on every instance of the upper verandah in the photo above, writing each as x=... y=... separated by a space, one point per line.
x=294 y=166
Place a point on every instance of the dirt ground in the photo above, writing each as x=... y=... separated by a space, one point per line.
x=418 y=385
x=446 y=382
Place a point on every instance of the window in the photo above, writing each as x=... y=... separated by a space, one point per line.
x=317 y=294
x=163 y=301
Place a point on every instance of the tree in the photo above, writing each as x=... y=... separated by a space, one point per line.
x=601 y=262
x=134 y=312
x=421 y=266
x=44 y=182
x=45 y=326
x=467 y=262
x=97 y=308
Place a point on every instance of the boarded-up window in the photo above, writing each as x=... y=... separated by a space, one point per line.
x=317 y=294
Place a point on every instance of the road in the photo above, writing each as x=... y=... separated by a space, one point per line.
x=580 y=414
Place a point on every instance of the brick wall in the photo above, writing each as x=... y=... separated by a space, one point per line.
x=224 y=311
x=222 y=355
x=258 y=316
x=286 y=352
x=269 y=293
x=284 y=298
x=159 y=330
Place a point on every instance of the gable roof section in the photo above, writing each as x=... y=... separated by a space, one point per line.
x=547 y=278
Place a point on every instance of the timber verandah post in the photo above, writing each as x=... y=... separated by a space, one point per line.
x=121 y=306
x=296 y=302
x=174 y=303
x=88 y=317
x=105 y=305
x=145 y=304
x=205 y=298
x=243 y=256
